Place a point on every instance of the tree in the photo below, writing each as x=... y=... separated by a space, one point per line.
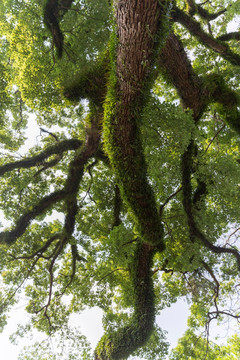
x=141 y=173
x=194 y=347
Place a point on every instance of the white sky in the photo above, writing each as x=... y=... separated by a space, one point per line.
x=173 y=319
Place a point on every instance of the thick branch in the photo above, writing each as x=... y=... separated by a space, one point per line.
x=9 y=237
x=124 y=341
x=132 y=73
x=193 y=8
x=53 y=10
x=228 y=99
x=235 y=35
x=187 y=203
x=178 y=69
x=196 y=93
x=71 y=188
x=68 y=193
x=90 y=84
x=195 y=29
x=49 y=164
x=175 y=63
x=58 y=148
x=117 y=207
x=207 y=15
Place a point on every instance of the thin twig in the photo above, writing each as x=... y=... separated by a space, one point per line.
x=214 y=137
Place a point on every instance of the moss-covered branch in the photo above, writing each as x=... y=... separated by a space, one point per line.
x=228 y=100
x=36 y=160
x=235 y=35
x=200 y=193
x=207 y=15
x=195 y=29
x=177 y=69
x=197 y=93
x=192 y=8
x=194 y=231
x=68 y=193
x=132 y=59
x=9 y=237
x=90 y=84
x=76 y=171
x=50 y=15
x=117 y=207
x=120 y=344
x=53 y=10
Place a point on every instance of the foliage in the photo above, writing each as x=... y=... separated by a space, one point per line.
x=69 y=345
x=194 y=347
x=129 y=197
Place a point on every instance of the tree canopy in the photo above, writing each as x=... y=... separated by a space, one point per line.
x=129 y=197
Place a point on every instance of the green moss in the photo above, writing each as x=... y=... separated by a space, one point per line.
x=230 y=116
x=121 y=344
x=226 y=98
x=123 y=144
x=191 y=7
x=50 y=15
x=219 y=91
x=90 y=83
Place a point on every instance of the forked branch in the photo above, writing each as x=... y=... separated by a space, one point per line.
x=36 y=160
x=194 y=230
x=195 y=29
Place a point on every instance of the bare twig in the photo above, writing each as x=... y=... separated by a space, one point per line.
x=111 y=272
x=214 y=137
x=233 y=233
x=168 y=199
x=50 y=133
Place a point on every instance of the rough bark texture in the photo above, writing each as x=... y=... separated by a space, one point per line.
x=138 y=23
x=178 y=70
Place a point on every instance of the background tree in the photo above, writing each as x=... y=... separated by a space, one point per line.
x=141 y=173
